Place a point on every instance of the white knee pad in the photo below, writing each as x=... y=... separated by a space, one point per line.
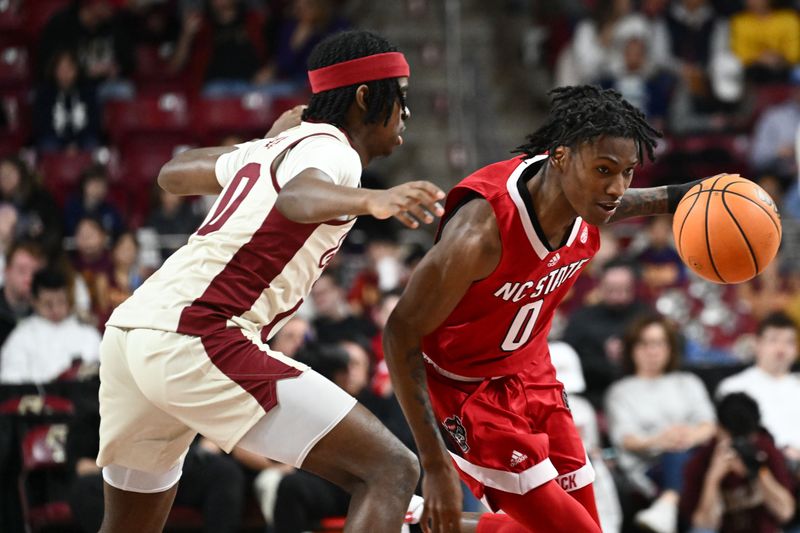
x=131 y=480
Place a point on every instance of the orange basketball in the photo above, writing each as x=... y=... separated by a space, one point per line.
x=727 y=229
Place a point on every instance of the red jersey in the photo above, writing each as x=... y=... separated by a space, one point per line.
x=501 y=323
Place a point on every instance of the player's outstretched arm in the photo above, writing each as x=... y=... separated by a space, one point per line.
x=469 y=250
x=651 y=201
x=311 y=197
x=193 y=171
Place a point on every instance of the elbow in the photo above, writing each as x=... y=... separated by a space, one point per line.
x=399 y=336
x=167 y=179
x=293 y=206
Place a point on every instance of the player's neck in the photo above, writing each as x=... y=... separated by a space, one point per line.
x=358 y=134
x=357 y=137
x=554 y=213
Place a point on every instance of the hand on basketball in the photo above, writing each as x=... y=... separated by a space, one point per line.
x=441 y=489
x=411 y=203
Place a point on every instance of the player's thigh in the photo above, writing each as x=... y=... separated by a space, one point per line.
x=360 y=448
x=319 y=427
x=567 y=451
x=220 y=385
x=134 y=432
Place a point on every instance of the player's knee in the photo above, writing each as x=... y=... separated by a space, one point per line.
x=404 y=468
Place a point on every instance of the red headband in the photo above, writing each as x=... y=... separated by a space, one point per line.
x=361 y=70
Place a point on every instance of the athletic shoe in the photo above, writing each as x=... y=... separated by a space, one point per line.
x=415 y=508
x=661 y=517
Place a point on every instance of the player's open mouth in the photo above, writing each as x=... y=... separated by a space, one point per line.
x=609 y=207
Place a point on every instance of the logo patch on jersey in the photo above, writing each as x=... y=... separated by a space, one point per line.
x=328 y=254
x=456 y=428
x=566 y=401
x=555 y=259
x=584 y=235
x=517 y=458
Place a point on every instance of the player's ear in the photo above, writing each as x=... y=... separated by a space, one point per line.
x=362 y=93
x=558 y=157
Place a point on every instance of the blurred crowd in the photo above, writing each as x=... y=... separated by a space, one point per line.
x=682 y=389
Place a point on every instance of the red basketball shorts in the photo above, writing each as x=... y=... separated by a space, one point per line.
x=513 y=433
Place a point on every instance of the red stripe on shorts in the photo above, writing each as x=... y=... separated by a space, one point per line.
x=232 y=293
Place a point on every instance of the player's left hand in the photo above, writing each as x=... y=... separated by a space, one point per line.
x=441 y=489
x=288 y=119
x=412 y=203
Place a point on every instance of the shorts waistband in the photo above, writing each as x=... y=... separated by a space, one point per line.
x=453 y=376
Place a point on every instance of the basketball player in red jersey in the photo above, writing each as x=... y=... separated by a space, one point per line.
x=187 y=352
x=467 y=343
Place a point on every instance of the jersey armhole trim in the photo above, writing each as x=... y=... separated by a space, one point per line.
x=273 y=168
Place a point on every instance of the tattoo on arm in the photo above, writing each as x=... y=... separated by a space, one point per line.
x=642 y=202
x=421 y=390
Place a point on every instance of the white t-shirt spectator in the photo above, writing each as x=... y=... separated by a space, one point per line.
x=778 y=399
x=38 y=350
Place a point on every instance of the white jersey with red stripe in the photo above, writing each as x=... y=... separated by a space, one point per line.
x=247 y=265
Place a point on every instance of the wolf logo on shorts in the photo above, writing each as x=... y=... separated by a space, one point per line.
x=455 y=427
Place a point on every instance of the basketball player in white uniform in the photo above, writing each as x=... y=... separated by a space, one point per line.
x=187 y=353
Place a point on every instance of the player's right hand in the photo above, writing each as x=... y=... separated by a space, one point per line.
x=411 y=203
x=441 y=489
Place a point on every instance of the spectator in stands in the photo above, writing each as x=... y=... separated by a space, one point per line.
x=660 y=263
x=230 y=44
x=310 y=22
x=595 y=331
x=291 y=337
x=694 y=28
x=656 y=415
x=45 y=345
x=691 y=24
x=597 y=47
x=211 y=483
x=767 y=293
x=738 y=482
x=8 y=233
x=770 y=383
x=775 y=134
x=66 y=115
x=126 y=274
x=23 y=260
x=38 y=216
x=172 y=215
x=592 y=50
x=100 y=39
x=92 y=261
x=766 y=40
x=92 y=201
x=334 y=320
x=382 y=273
x=569 y=372
x=639 y=79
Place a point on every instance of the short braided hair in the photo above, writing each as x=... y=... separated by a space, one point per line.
x=331 y=106
x=585 y=112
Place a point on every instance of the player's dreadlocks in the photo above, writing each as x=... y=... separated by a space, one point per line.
x=331 y=106
x=585 y=112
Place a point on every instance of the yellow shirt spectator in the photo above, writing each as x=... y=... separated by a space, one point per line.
x=778 y=31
